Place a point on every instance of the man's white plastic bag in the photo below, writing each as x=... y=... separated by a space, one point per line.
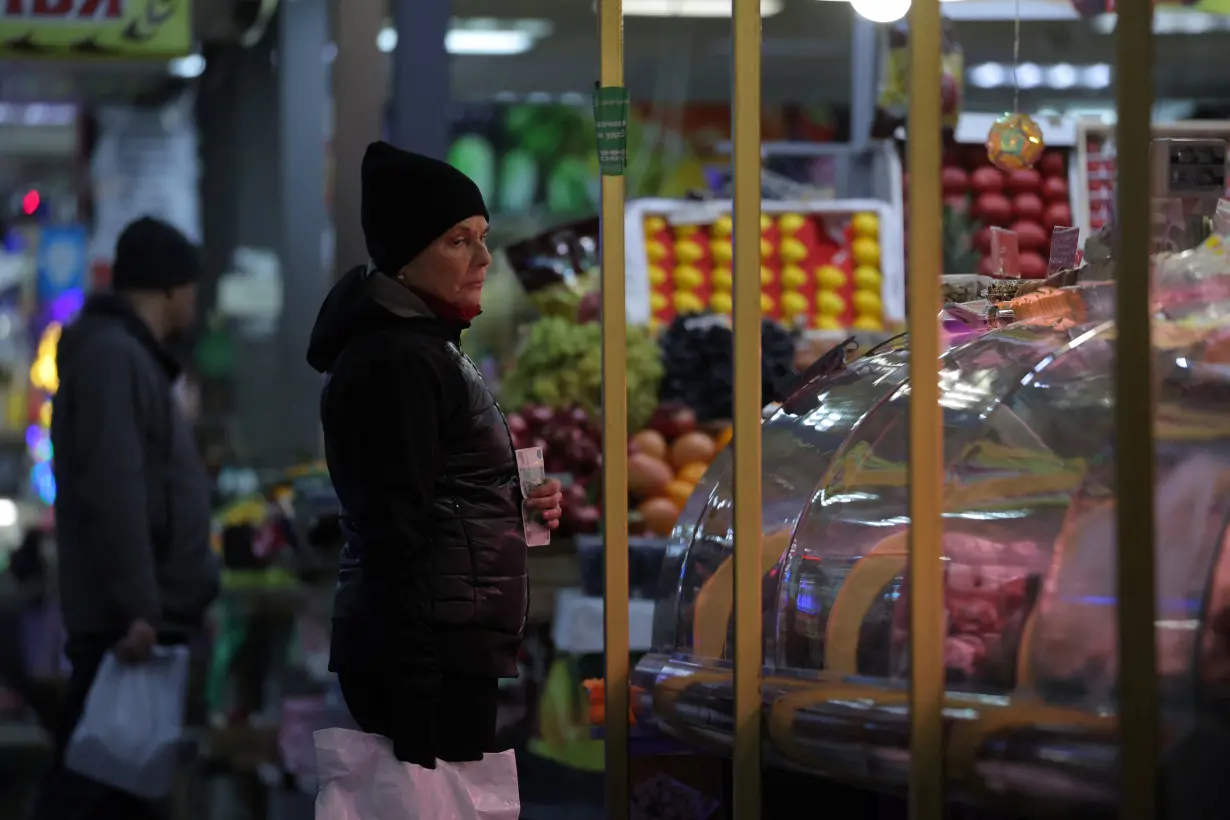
x=360 y=779
x=129 y=735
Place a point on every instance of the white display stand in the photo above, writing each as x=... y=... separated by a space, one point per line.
x=577 y=625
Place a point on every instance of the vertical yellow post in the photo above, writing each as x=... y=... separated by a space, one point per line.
x=745 y=129
x=614 y=439
x=1139 y=735
x=926 y=421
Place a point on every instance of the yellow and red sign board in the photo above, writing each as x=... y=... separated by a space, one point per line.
x=79 y=29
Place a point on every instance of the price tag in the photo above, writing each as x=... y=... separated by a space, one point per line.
x=1006 y=251
x=1063 y=250
x=611 y=129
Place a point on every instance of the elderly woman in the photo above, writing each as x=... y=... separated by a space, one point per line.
x=432 y=595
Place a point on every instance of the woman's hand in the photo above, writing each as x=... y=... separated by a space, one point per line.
x=546 y=498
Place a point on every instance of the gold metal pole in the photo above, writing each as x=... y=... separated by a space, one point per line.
x=749 y=656
x=926 y=421
x=614 y=439
x=1134 y=474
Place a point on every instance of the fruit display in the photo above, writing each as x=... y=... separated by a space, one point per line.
x=698 y=364
x=1031 y=202
x=822 y=265
x=1099 y=175
x=665 y=462
x=558 y=268
x=559 y=365
x=571 y=442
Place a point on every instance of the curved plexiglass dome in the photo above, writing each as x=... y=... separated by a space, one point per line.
x=1029 y=574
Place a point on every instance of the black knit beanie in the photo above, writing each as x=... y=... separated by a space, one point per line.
x=152 y=255
x=409 y=201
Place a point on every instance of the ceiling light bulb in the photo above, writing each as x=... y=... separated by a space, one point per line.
x=690 y=8
x=988 y=75
x=1028 y=75
x=386 y=40
x=1061 y=76
x=881 y=11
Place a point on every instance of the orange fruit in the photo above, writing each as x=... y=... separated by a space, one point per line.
x=723 y=437
x=692 y=473
x=679 y=492
x=659 y=515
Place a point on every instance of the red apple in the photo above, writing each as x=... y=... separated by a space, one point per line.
x=517 y=425
x=673 y=420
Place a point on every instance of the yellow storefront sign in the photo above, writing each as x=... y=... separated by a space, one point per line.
x=95 y=28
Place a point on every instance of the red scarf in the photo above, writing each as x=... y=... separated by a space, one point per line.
x=444 y=309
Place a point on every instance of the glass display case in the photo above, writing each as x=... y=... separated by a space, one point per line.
x=1029 y=576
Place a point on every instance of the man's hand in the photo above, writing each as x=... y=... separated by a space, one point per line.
x=137 y=644
x=546 y=498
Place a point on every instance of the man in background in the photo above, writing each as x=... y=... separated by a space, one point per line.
x=132 y=504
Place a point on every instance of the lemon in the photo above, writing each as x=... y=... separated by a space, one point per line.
x=720 y=302
x=766 y=222
x=688 y=278
x=723 y=226
x=721 y=251
x=722 y=280
x=867 y=303
x=868 y=323
x=822 y=322
x=793 y=250
x=688 y=251
x=793 y=277
x=793 y=304
x=766 y=276
x=654 y=224
x=657 y=276
x=684 y=231
x=766 y=303
x=829 y=303
x=790 y=223
x=865 y=224
x=866 y=252
x=867 y=278
x=658 y=302
x=655 y=250
x=830 y=277
x=766 y=248
x=687 y=302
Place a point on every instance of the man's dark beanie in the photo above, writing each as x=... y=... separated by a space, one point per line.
x=409 y=201
x=152 y=255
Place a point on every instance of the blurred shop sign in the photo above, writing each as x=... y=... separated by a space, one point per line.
x=252 y=293
x=62 y=262
x=95 y=28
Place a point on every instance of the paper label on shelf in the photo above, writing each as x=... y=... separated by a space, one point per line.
x=1006 y=251
x=1063 y=250
x=611 y=129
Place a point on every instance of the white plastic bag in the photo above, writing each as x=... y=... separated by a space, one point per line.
x=360 y=779
x=129 y=735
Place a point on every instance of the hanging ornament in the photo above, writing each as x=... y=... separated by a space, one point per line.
x=1015 y=141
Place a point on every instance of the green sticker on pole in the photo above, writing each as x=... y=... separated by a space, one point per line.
x=611 y=128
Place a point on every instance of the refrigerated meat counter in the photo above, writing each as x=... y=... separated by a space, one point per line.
x=1029 y=576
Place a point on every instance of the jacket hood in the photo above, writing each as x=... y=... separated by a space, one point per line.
x=362 y=300
x=101 y=313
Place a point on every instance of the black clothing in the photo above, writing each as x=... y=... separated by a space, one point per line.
x=433 y=574
x=66 y=795
x=460 y=726
x=409 y=201
x=152 y=255
x=132 y=503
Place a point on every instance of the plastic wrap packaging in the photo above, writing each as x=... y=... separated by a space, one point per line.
x=558 y=269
